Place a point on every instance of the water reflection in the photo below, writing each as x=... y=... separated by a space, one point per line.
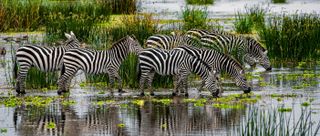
x=150 y=119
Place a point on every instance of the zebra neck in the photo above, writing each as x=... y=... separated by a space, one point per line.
x=119 y=51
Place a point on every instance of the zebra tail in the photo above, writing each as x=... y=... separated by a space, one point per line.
x=15 y=69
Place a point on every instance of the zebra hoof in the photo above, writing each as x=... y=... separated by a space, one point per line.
x=174 y=94
x=247 y=91
x=60 y=92
x=20 y=92
x=152 y=93
x=215 y=94
x=121 y=91
x=142 y=94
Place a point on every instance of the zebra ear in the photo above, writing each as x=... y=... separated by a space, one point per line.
x=241 y=72
x=72 y=34
x=67 y=35
x=265 y=53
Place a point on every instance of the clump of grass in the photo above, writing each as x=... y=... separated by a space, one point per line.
x=163 y=101
x=122 y=6
x=194 y=18
x=252 y=19
x=279 y=1
x=199 y=2
x=37 y=79
x=292 y=37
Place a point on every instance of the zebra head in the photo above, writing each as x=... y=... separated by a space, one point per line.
x=72 y=41
x=258 y=53
x=212 y=84
x=241 y=81
x=264 y=61
x=134 y=45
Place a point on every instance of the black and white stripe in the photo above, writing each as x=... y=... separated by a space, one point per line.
x=219 y=62
x=246 y=49
x=168 y=42
x=47 y=59
x=174 y=62
x=94 y=62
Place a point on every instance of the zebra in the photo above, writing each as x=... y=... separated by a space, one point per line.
x=248 y=49
x=173 y=62
x=168 y=42
x=219 y=62
x=46 y=59
x=95 y=62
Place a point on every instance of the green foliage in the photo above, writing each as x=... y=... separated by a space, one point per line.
x=252 y=19
x=292 y=37
x=194 y=18
x=122 y=6
x=279 y=1
x=51 y=125
x=199 y=2
x=20 y=15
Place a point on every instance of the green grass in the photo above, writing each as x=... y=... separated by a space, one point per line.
x=194 y=18
x=292 y=37
x=253 y=18
x=279 y=1
x=19 y=15
x=199 y=2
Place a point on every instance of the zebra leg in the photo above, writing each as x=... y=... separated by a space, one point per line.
x=119 y=83
x=141 y=84
x=203 y=82
x=149 y=83
x=65 y=80
x=111 y=80
x=20 y=85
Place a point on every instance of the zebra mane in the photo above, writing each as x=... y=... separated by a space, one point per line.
x=123 y=39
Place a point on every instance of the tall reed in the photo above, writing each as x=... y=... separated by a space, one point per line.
x=275 y=122
x=292 y=37
x=194 y=17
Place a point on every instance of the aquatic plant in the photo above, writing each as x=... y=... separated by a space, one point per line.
x=228 y=106
x=199 y=2
x=51 y=125
x=138 y=102
x=68 y=102
x=292 y=37
x=305 y=104
x=121 y=125
x=272 y=122
x=162 y=101
x=279 y=1
x=194 y=18
x=285 y=109
x=3 y=130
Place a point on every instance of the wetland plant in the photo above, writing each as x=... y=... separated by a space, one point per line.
x=253 y=18
x=194 y=18
x=199 y=2
x=274 y=122
x=292 y=37
x=279 y=1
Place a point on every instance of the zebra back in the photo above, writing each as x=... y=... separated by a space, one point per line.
x=45 y=58
x=168 y=42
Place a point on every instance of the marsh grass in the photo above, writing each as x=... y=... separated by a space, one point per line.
x=19 y=15
x=194 y=17
x=274 y=122
x=279 y=1
x=292 y=37
x=37 y=79
x=199 y=2
x=253 y=18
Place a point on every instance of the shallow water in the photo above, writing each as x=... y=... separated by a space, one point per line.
x=96 y=113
